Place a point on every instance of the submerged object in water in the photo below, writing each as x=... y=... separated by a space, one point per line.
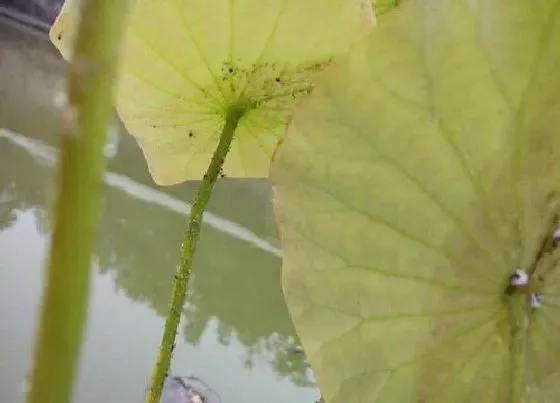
x=187 y=390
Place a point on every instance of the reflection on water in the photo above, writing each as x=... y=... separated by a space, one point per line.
x=235 y=334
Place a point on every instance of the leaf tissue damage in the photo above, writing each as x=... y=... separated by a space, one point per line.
x=268 y=85
x=417 y=195
x=185 y=63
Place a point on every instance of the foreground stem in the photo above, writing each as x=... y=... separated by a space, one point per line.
x=188 y=248
x=82 y=162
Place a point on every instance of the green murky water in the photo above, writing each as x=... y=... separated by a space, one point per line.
x=236 y=333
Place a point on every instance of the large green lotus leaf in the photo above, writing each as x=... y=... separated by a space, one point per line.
x=424 y=170
x=185 y=62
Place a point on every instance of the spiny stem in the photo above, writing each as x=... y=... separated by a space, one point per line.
x=188 y=248
x=82 y=162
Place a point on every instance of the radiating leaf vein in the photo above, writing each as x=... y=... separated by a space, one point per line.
x=458 y=261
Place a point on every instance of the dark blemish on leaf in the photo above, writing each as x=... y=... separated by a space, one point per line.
x=191 y=134
x=59 y=37
x=273 y=86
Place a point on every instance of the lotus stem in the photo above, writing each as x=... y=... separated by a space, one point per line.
x=188 y=248
x=78 y=202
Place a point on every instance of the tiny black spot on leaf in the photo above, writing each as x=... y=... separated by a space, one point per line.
x=191 y=134
x=59 y=37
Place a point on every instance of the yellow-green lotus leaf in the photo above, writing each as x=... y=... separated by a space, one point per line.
x=184 y=62
x=421 y=173
x=382 y=7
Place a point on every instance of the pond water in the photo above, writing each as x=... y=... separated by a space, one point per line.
x=235 y=334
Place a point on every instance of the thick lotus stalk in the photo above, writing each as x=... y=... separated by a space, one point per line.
x=86 y=118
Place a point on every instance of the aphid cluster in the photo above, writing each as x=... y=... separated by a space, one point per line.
x=520 y=278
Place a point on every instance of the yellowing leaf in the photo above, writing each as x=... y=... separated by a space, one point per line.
x=422 y=172
x=186 y=61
